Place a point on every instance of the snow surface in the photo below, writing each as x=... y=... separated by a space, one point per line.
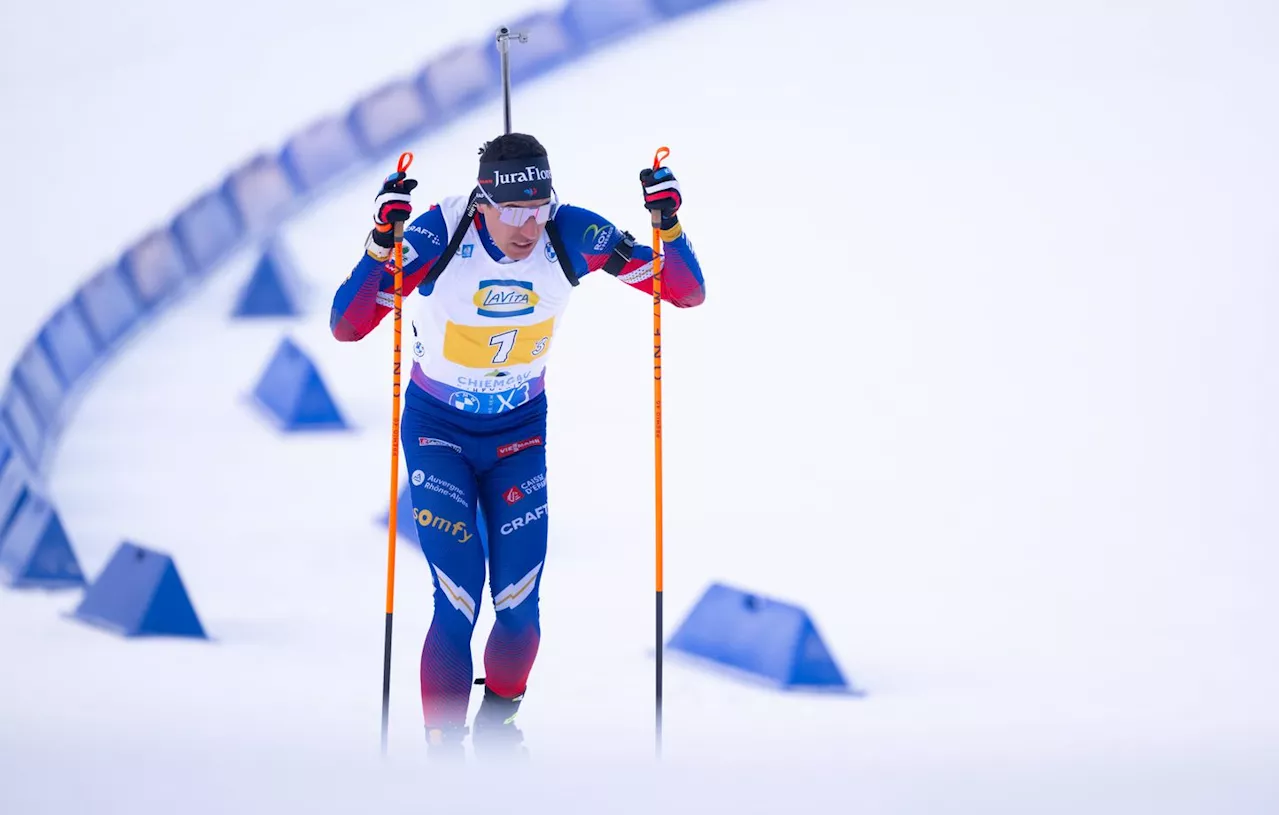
x=1001 y=413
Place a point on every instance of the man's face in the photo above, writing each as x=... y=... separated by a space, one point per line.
x=516 y=242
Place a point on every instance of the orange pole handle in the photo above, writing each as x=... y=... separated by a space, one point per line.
x=402 y=165
x=406 y=159
x=656 y=220
x=658 y=157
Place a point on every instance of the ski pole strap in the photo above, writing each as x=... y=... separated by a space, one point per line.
x=621 y=255
x=566 y=263
x=455 y=242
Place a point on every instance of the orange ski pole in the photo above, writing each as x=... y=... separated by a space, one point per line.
x=658 y=157
x=402 y=166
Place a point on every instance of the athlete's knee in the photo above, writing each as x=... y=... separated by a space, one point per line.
x=451 y=544
x=518 y=599
x=525 y=616
x=456 y=604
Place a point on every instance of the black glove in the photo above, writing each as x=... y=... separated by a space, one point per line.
x=391 y=206
x=661 y=194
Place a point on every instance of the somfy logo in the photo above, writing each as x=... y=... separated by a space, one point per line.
x=457 y=529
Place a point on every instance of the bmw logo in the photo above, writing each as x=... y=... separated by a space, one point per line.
x=465 y=401
x=551 y=252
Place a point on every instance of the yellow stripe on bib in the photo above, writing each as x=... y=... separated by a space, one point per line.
x=486 y=346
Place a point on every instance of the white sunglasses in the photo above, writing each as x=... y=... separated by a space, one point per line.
x=518 y=216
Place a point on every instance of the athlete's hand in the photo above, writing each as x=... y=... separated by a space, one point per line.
x=391 y=206
x=661 y=194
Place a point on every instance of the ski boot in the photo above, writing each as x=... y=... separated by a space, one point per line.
x=444 y=744
x=494 y=734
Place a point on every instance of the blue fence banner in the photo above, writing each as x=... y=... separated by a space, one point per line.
x=6 y=448
x=207 y=229
x=15 y=486
x=109 y=305
x=550 y=44
x=34 y=374
x=389 y=116
x=262 y=194
x=674 y=8
x=155 y=267
x=70 y=344
x=460 y=79
x=595 y=23
x=19 y=420
x=322 y=152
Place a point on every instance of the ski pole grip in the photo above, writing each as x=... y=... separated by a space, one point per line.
x=659 y=156
x=402 y=166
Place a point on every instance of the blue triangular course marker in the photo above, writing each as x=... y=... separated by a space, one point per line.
x=759 y=638
x=273 y=290
x=35 y=552
x=293 y=395
x=140 y=593
x=15 y=486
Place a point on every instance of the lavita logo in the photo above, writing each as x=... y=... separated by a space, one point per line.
x=505 y=298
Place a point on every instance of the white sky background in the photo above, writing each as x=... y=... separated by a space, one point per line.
x=986 y=379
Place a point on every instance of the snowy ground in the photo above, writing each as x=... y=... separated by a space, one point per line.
x=986 y=379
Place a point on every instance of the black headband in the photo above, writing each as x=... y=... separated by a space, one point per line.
x=516 y=179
